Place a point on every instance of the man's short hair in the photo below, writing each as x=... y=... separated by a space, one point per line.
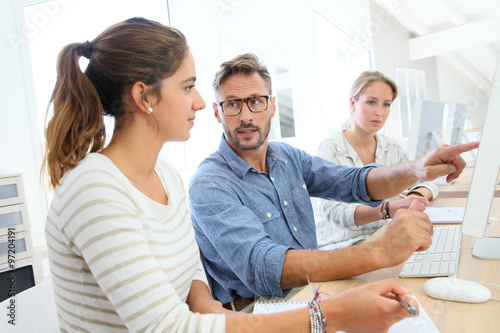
x=247 y=63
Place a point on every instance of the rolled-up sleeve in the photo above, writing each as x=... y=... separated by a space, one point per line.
x=331 y=181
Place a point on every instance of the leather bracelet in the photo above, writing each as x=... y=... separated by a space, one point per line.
x=384 y=211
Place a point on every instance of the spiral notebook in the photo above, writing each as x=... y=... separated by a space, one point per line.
x=277 y=306
x=420 y=324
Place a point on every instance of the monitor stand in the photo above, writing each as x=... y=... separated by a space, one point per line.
x=486 y=248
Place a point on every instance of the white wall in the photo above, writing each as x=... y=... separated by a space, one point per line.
x=455 y=86
x=390 y=40
x=20 y=148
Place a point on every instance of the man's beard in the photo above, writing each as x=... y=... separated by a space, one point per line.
x=233 y=137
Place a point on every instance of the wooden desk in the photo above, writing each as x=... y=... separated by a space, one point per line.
x=449 y=317
x=460 y=187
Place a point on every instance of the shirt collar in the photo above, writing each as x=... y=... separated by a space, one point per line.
x=343 y=146
x=239 y=166
x=382 y=147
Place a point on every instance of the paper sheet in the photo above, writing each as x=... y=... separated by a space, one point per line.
x=277 y=306
x=420 y=324
x=445 y=214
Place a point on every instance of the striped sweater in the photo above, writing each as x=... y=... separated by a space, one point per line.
x=119 y=260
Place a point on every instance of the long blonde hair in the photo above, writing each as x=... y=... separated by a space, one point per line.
x=127 y=52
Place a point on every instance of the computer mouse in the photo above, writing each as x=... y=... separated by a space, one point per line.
x=458 y=290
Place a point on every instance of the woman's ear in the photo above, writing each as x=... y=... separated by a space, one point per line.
x=352 y=104
x=140 y=98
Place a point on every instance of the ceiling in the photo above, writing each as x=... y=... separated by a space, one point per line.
x=464 y=32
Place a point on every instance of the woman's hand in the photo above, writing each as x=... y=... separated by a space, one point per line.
x=368 y=308
x=405 y=203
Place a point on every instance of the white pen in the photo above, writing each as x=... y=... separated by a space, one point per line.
x=405 y=304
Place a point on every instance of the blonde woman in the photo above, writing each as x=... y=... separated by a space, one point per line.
x=339 y=225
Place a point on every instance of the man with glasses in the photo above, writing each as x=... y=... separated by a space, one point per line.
x=250 y=200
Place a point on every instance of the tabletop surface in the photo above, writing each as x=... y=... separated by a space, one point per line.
x=447 y=316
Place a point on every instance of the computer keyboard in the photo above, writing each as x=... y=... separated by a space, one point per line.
x=440 y=259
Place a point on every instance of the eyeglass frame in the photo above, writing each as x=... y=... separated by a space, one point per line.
x=245 y=100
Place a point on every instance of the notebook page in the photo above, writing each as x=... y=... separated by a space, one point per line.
x=445 y=214
x=277 y=306
x=420 y=324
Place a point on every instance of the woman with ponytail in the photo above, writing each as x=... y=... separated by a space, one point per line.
x=121 y=246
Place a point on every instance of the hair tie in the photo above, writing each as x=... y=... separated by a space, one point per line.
x=87 y=49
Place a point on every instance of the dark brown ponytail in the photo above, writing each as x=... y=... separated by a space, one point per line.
x=125 y=53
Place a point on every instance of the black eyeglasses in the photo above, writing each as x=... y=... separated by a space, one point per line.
x=256 y=104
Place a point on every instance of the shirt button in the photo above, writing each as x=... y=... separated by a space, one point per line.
x=304 y=186
x=254 y=170
x=285 y=203
x=268 y=214
x=295 y=228
x=272 y=179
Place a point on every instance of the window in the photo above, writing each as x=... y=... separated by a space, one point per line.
x=51 y=25
x=340 y=61
x=275 y=56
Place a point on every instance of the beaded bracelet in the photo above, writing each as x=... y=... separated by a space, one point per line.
x=384 y=211
x=318 y=319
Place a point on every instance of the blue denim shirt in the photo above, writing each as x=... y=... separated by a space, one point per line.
x=245 y=220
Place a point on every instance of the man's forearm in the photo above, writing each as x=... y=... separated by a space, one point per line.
x=388 y=181
x=329 y=265
x=408 y=231
x=385 y=182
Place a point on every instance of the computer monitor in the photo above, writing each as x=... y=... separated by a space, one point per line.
x=455 y=125
x=484 y=180
x=13 y=281
x=426 y=126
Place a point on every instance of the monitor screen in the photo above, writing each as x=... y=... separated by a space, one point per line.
x=455 y=124
x=426 y=125
x=484 y=179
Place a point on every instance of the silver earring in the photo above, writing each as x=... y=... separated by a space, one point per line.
x=149 y=110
